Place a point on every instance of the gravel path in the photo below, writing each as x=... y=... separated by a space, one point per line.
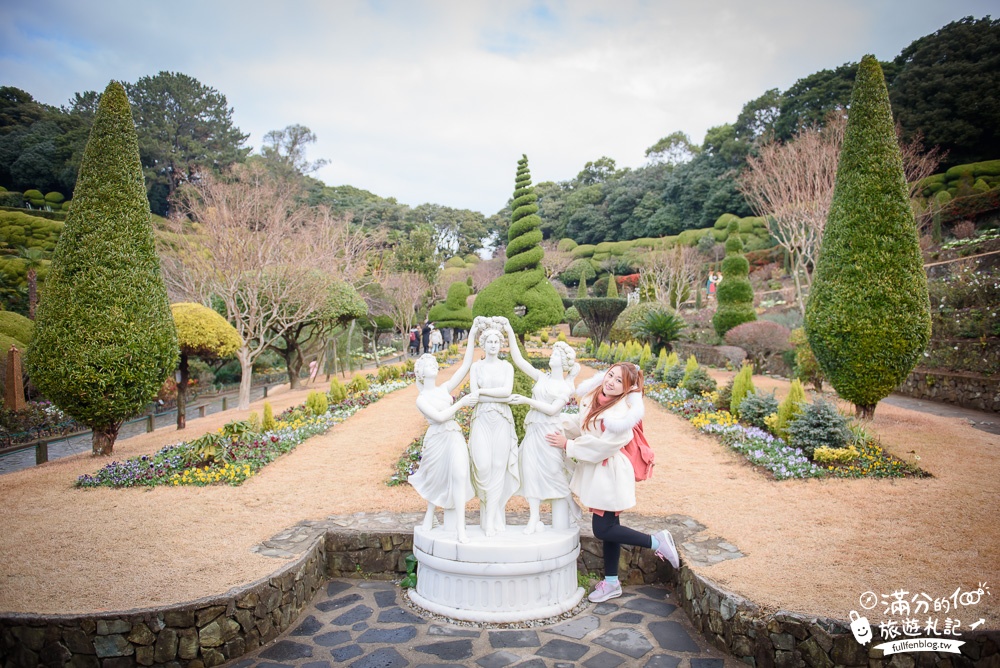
x=810 y=546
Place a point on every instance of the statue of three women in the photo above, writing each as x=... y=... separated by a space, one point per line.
x=492 y=466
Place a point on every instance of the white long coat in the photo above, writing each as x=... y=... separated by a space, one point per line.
x=603 y=478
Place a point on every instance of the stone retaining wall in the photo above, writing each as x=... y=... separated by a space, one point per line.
x=791 y=640
x=211 y=631
x=198 y=634
x=969 y=390
x=717 y=356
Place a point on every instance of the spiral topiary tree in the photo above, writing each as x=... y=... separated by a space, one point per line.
x=453 y=312
x=104 y=338
x=868 y=314
x=523 y=284
x=735 y=294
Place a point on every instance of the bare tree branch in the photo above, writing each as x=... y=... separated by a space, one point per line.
x=258 y=250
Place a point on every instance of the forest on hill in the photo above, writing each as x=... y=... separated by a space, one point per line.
x=942 y=89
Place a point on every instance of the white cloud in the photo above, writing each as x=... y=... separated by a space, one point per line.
x=436 y=101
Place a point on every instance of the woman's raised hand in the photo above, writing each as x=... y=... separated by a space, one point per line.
x=517 y=399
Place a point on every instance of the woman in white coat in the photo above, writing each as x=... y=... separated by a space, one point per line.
x=604 y=480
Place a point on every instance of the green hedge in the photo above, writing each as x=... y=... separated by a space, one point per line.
x=566 y=245
x=37 y=213
x=577 y=270
x=14 y=200
x=16 y=326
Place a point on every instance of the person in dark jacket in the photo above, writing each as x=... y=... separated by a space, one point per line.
x=425 y=336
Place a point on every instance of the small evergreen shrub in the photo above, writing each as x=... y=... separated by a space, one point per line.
x=337 y=390
x=789 y=409
x=646 y=358
x=580 y=329
x=742 y=386
x=267 y=422
x=689 y=366
x=725 y=397
x=317 y=403
x=358 y=384
x=661 y=362
x=819 y=425
x=674 y=375
x=825 y=455
x=756 y=406
x=699 y=382
x=254 y=421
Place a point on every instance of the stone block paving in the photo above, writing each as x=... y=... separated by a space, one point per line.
x=367 y=624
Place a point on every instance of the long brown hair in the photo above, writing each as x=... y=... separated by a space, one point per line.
x=631 y=382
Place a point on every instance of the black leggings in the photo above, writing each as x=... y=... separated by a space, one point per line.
x=609 y=530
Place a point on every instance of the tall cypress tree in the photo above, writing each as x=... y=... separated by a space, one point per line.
x=735 y=294
x=523 y=283
x=104 y=337
x=868 y=314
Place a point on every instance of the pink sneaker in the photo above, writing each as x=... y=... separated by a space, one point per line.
x=604 y=591
x=666 y=551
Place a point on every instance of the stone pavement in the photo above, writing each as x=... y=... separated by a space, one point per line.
x=370 y=624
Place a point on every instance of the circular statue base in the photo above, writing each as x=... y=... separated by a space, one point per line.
x=510 y=577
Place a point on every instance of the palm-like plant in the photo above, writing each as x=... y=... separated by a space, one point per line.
x=660 y=328
x=33 y=259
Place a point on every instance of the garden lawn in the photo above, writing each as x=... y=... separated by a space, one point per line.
x=812 y=546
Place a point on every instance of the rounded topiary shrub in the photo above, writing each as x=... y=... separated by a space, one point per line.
x=54 y=198
x=761 y=339
x=578 y=270
x=34 y=194
x=623 y=328
x=16 y=326
x=580 y=329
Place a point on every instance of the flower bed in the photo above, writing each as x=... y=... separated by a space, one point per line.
x=248 y=451
x=763 y=449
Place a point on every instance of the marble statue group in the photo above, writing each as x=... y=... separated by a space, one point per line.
x=492 y=465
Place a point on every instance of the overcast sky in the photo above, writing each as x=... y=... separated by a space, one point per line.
x=436 y=101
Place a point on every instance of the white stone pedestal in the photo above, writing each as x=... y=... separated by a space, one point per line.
x=510 y=577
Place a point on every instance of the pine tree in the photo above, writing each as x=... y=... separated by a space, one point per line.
x=868 y=314
x=735 y=294
x=104 y=338
x=523 y=283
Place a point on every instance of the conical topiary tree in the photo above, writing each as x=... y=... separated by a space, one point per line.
x=523 y=283
x=868 y=314
x=735 y=294
x=104 y=337
x=453 y=312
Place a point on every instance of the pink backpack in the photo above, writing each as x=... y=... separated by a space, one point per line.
x=640 y=454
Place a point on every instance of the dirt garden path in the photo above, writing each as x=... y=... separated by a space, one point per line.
x=810 y=546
